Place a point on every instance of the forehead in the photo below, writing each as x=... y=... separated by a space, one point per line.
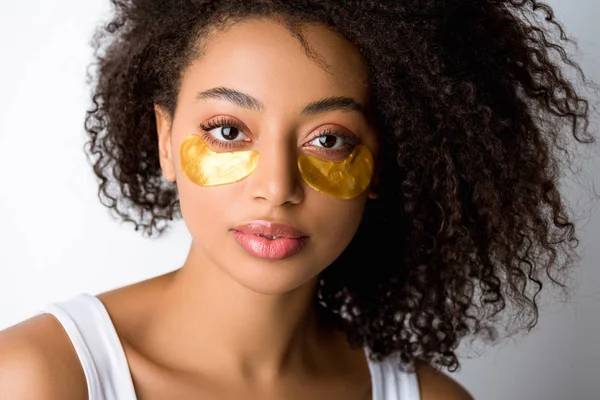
x=263 y=58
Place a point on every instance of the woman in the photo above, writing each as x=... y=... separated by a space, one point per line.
x=365 y=184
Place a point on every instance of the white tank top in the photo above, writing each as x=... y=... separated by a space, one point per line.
x=102 y=357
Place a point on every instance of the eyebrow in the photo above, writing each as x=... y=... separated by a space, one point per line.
x=334 y=103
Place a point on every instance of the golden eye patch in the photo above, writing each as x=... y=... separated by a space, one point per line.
x=344 y=179
x=205 y=167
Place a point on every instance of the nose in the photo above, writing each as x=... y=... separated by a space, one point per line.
x=276 y=179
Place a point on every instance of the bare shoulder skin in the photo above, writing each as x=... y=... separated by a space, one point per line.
x=38 y=361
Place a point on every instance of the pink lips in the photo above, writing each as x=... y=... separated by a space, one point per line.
x=270 y=240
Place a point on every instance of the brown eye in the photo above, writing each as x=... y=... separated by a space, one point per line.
x=333 y=142
x=327 y=141
x=230 y=132
x=226 y=133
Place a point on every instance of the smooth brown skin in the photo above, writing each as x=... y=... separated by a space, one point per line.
x=227 y=325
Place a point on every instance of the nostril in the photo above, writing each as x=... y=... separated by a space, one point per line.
x=276 y=178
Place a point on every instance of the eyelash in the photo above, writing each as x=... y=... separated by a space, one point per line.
x=349 y=139
x=219 y=123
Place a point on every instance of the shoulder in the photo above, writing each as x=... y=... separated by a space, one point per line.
x=37 y=361
x=436 y=385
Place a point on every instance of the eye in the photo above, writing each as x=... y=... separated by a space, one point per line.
x=333 y=140
x=328 y=141
x=224 y=132
x=227 y=134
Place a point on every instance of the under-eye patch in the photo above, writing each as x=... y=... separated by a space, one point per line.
x=205 y=167
x=344 y=179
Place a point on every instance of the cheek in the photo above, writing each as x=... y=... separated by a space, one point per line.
x=203 y=208
x=334 y=222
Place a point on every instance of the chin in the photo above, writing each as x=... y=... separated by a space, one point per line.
x=273 y=277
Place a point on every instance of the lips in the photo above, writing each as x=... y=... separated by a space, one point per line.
x=264 y=239
x=265 y=228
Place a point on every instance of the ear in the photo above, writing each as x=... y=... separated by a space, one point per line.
x=165 y=154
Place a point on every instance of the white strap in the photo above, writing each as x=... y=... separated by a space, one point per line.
x=391 y=383
x=98 y=347
x=81 y=348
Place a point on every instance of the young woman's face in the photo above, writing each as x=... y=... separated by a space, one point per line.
x=243 y=143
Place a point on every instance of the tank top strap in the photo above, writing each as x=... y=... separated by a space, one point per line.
x=389 y=382
x=93 y=335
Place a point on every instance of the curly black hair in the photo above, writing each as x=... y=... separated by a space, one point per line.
x=474 y=107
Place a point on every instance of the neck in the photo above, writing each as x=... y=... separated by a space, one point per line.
x=216 y=323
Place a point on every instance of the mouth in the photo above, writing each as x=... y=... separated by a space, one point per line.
x=271 y=230
x=271 y=237
x=269 y=240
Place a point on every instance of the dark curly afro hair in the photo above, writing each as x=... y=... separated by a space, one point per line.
x=475 y=108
